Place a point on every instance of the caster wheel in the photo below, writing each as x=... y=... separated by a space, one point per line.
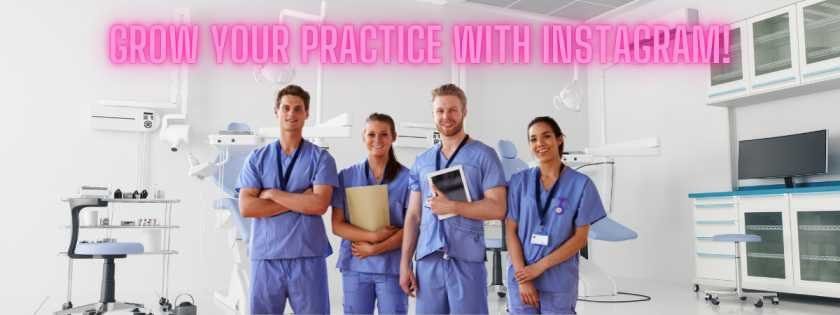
x=743 y=298
x=501 y=294
x=715 y=301
x=696 y=288
x=760 y=303
x=775 y=301
x=707 y=297
x=67 y=306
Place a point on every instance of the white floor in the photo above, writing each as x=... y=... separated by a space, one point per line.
x=666 y=299
x=676 y=299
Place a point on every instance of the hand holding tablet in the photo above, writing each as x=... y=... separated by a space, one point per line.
x=447 y=185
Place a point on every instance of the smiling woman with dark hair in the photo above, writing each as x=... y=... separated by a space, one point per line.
x=550 y=209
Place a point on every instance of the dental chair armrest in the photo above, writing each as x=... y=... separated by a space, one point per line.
x=607 y=229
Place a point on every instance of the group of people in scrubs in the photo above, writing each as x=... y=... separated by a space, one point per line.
x=433 y=249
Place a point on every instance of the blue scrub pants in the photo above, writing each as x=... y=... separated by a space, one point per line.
x=550 y=302
x=362 y=289
x=302 y=280
x=447 y=285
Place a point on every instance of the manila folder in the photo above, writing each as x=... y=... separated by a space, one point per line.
x=368 y=206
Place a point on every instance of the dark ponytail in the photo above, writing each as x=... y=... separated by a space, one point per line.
x=393 y=166
x=554 y=127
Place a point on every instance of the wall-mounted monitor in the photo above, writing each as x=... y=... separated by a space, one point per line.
x=784 y=156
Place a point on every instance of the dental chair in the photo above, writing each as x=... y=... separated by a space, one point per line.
x=229 y=163
x=105 y=251
x=511 y=165
x=594 y=281
x=594 y=284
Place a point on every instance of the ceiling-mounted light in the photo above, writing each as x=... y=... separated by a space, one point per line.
x=570 y=97
x=279 y=75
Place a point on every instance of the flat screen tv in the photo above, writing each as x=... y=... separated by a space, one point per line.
x=784 y=156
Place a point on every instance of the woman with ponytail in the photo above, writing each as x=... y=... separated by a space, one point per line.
x=370 y=261
x=550 y=209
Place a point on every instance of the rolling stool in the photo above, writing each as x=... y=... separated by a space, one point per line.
x=714 y=296
x=108 y=252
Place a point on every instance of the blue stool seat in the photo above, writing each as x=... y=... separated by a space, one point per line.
x=745 y=238
x=606 y=229
x=103 y=249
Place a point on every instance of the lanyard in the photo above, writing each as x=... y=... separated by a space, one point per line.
x=368 y=178
x=284 y=177
x=542 y=208
x=452 y=158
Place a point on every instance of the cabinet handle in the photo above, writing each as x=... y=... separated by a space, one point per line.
x=759 y=196
x=771 y=82
x=823 y=71
x=716 y=255
x=719 y=93
x=714 y=205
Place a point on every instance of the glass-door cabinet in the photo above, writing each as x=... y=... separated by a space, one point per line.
x=728 y=81
x=773 y=37
x=768 y=262
x=819 y=44
x=817 y=251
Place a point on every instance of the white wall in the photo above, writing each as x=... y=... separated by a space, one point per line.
x=789 y=116
x=669 y=102
x=55 y=67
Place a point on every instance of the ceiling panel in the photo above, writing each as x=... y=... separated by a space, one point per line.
x=578 y=10
x=540 y=6
x=498 y=3
x=612 y=3
x=581 y=11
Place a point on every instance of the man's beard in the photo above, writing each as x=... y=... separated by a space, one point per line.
x=454 y=131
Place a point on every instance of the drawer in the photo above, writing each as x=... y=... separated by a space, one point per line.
x=711 y=247
x=815 y=201
x=759 y=203
x=715 y=212
x=711 y=229
x=714 y=201
x=720 y=267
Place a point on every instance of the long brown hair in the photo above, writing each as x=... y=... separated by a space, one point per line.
x=393 y=166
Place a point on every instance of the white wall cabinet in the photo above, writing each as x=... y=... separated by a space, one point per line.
x=728 y=81
x=819 y=44
x=790 y=51
x=800 y=248
x=774 y=55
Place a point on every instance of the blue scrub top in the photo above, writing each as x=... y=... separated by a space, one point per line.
x=291 y=234
x=353 y=176
x=575 y=204
x=458 y=236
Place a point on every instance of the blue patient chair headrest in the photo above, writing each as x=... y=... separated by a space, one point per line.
x=510 y=163
x=507 y=149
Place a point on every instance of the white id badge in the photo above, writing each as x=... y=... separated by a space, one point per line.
x=539 y=239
